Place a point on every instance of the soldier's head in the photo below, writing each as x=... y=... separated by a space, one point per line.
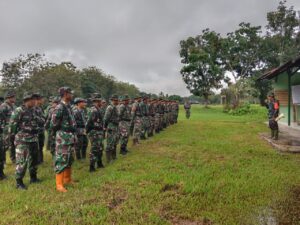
x=55 y=101
x=145 y=98
x=66 y=94
x=271 y=96
x=96 y=99
x=29 y=99
x=39 y=99
x=10 y=96
x=114 y=99
x=138 y=98
x=125 y=99
x=80 y=103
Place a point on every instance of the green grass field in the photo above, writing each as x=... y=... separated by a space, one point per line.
x=211 y=169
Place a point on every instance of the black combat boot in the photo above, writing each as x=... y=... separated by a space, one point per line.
x=92 y=167
x=21 y=185
x=2 y=175
x=34 y=179
x=123 y=150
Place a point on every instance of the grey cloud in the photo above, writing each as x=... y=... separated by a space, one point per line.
x=135 y=40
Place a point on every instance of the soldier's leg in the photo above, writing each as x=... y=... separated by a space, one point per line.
x=84 y=146
x=12 y=149
x=22 y=153
x=93 y=152
x=143 y=129
x=110 y=148
x=78 y=147
x=2 y=158
x=41 y=147
x=33 y=160
x=136 y=131
x=99 y=151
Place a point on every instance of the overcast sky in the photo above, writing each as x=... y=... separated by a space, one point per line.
x=135 y=40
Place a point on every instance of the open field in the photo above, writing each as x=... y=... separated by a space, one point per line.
x=211 y=169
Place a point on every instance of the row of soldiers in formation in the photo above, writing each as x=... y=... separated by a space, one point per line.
x=69 y=128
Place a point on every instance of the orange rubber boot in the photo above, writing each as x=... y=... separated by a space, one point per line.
x=59 y=182
x=68 y=176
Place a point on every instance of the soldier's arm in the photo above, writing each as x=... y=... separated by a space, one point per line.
x=14 y=122
x=89 y=121
x=56 y=119
x=107 y=116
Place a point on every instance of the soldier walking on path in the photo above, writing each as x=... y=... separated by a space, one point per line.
x=24 y=126
x=64 y=126
x=80 y=118
x=6 y=109
x=124 y=124
x=94 y=129
x=111 y=123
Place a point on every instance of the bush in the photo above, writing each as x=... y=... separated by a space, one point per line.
x=243 y=109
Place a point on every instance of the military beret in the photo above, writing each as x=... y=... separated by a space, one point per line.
x=28 y=96
x=78 y=100
x=9 y=94
x=96 y=97
x=114 y=97
x=64 y=90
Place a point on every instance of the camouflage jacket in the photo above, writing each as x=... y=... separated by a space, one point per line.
x=94 y=120
x=144 y=109
x=24 y=125
x=49 y=112
x=124 y=112
x=187 y=105
x=111 y=117
x=80 y=118
x=135 y=110
x=40 y=117
x=6 y=110
x=152 y=110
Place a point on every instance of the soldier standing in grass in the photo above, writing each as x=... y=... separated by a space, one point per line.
x=111 y=123
x=187 y=108
x=94 y=129
x=151 y=117
x=24 y=126
x=273 y=112
x=136 y=119
x=6 y=109
x=2 y=150
x=41 y=118
x=63 y=124
x=79 y=115
x=124 y=124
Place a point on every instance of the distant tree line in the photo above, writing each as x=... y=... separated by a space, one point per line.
x=233 y=62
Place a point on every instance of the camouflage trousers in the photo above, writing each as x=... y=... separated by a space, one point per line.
x=165 y=120
x=152 y=123
x=96 y=139
x=137 y=128
x=145 y=126
x=156 y=122
x=41 y=146
x=26 y=156
x=161 y=121
x=112 y=140
x=187 y=113
x=124 y=131
x=9 y=145
x=81 y=146
x=2 y=153
x=64 y=150
x=51 y=143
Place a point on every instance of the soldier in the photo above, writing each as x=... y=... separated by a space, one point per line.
x=151 y=117
x=136 y=119
x=79 y=115
x=111 y=123
x=63 y=125
x=51 y=137
x=124 y=125
x=94 y=129
x=187 y=107
x=157 y=116
x=41 y=115
x=24 y=126
x=2 y=150
x=273 y=112
x=176 y=111
x=145 y=120
x=6 y=109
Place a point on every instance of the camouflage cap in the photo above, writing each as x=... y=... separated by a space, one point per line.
x=37 y=95
x=56 y=99
x=28 y=96
x=10 y=94
x=64 y=90
x=124 y=98
x=114 y=97
x=96 y=97
x=78 y=100
x=137 y=96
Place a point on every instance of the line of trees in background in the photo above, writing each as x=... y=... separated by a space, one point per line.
x=233 y=63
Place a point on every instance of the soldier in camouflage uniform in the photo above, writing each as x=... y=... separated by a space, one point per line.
x=41 y=135
x=176 y=111
x=2 y=150
x=6 y=109
x=79 y=115
x=63 y=124
x=136 y=119
x=94 y=129
x=187 y=108
x=111 y=123
x=157 y=116
x=151 y=117
x=48 y=115
x=124 y=124
x=24 y=126
x=145 y=119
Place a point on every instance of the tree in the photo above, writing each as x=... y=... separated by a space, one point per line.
x=202 y=70
x=241 y=54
